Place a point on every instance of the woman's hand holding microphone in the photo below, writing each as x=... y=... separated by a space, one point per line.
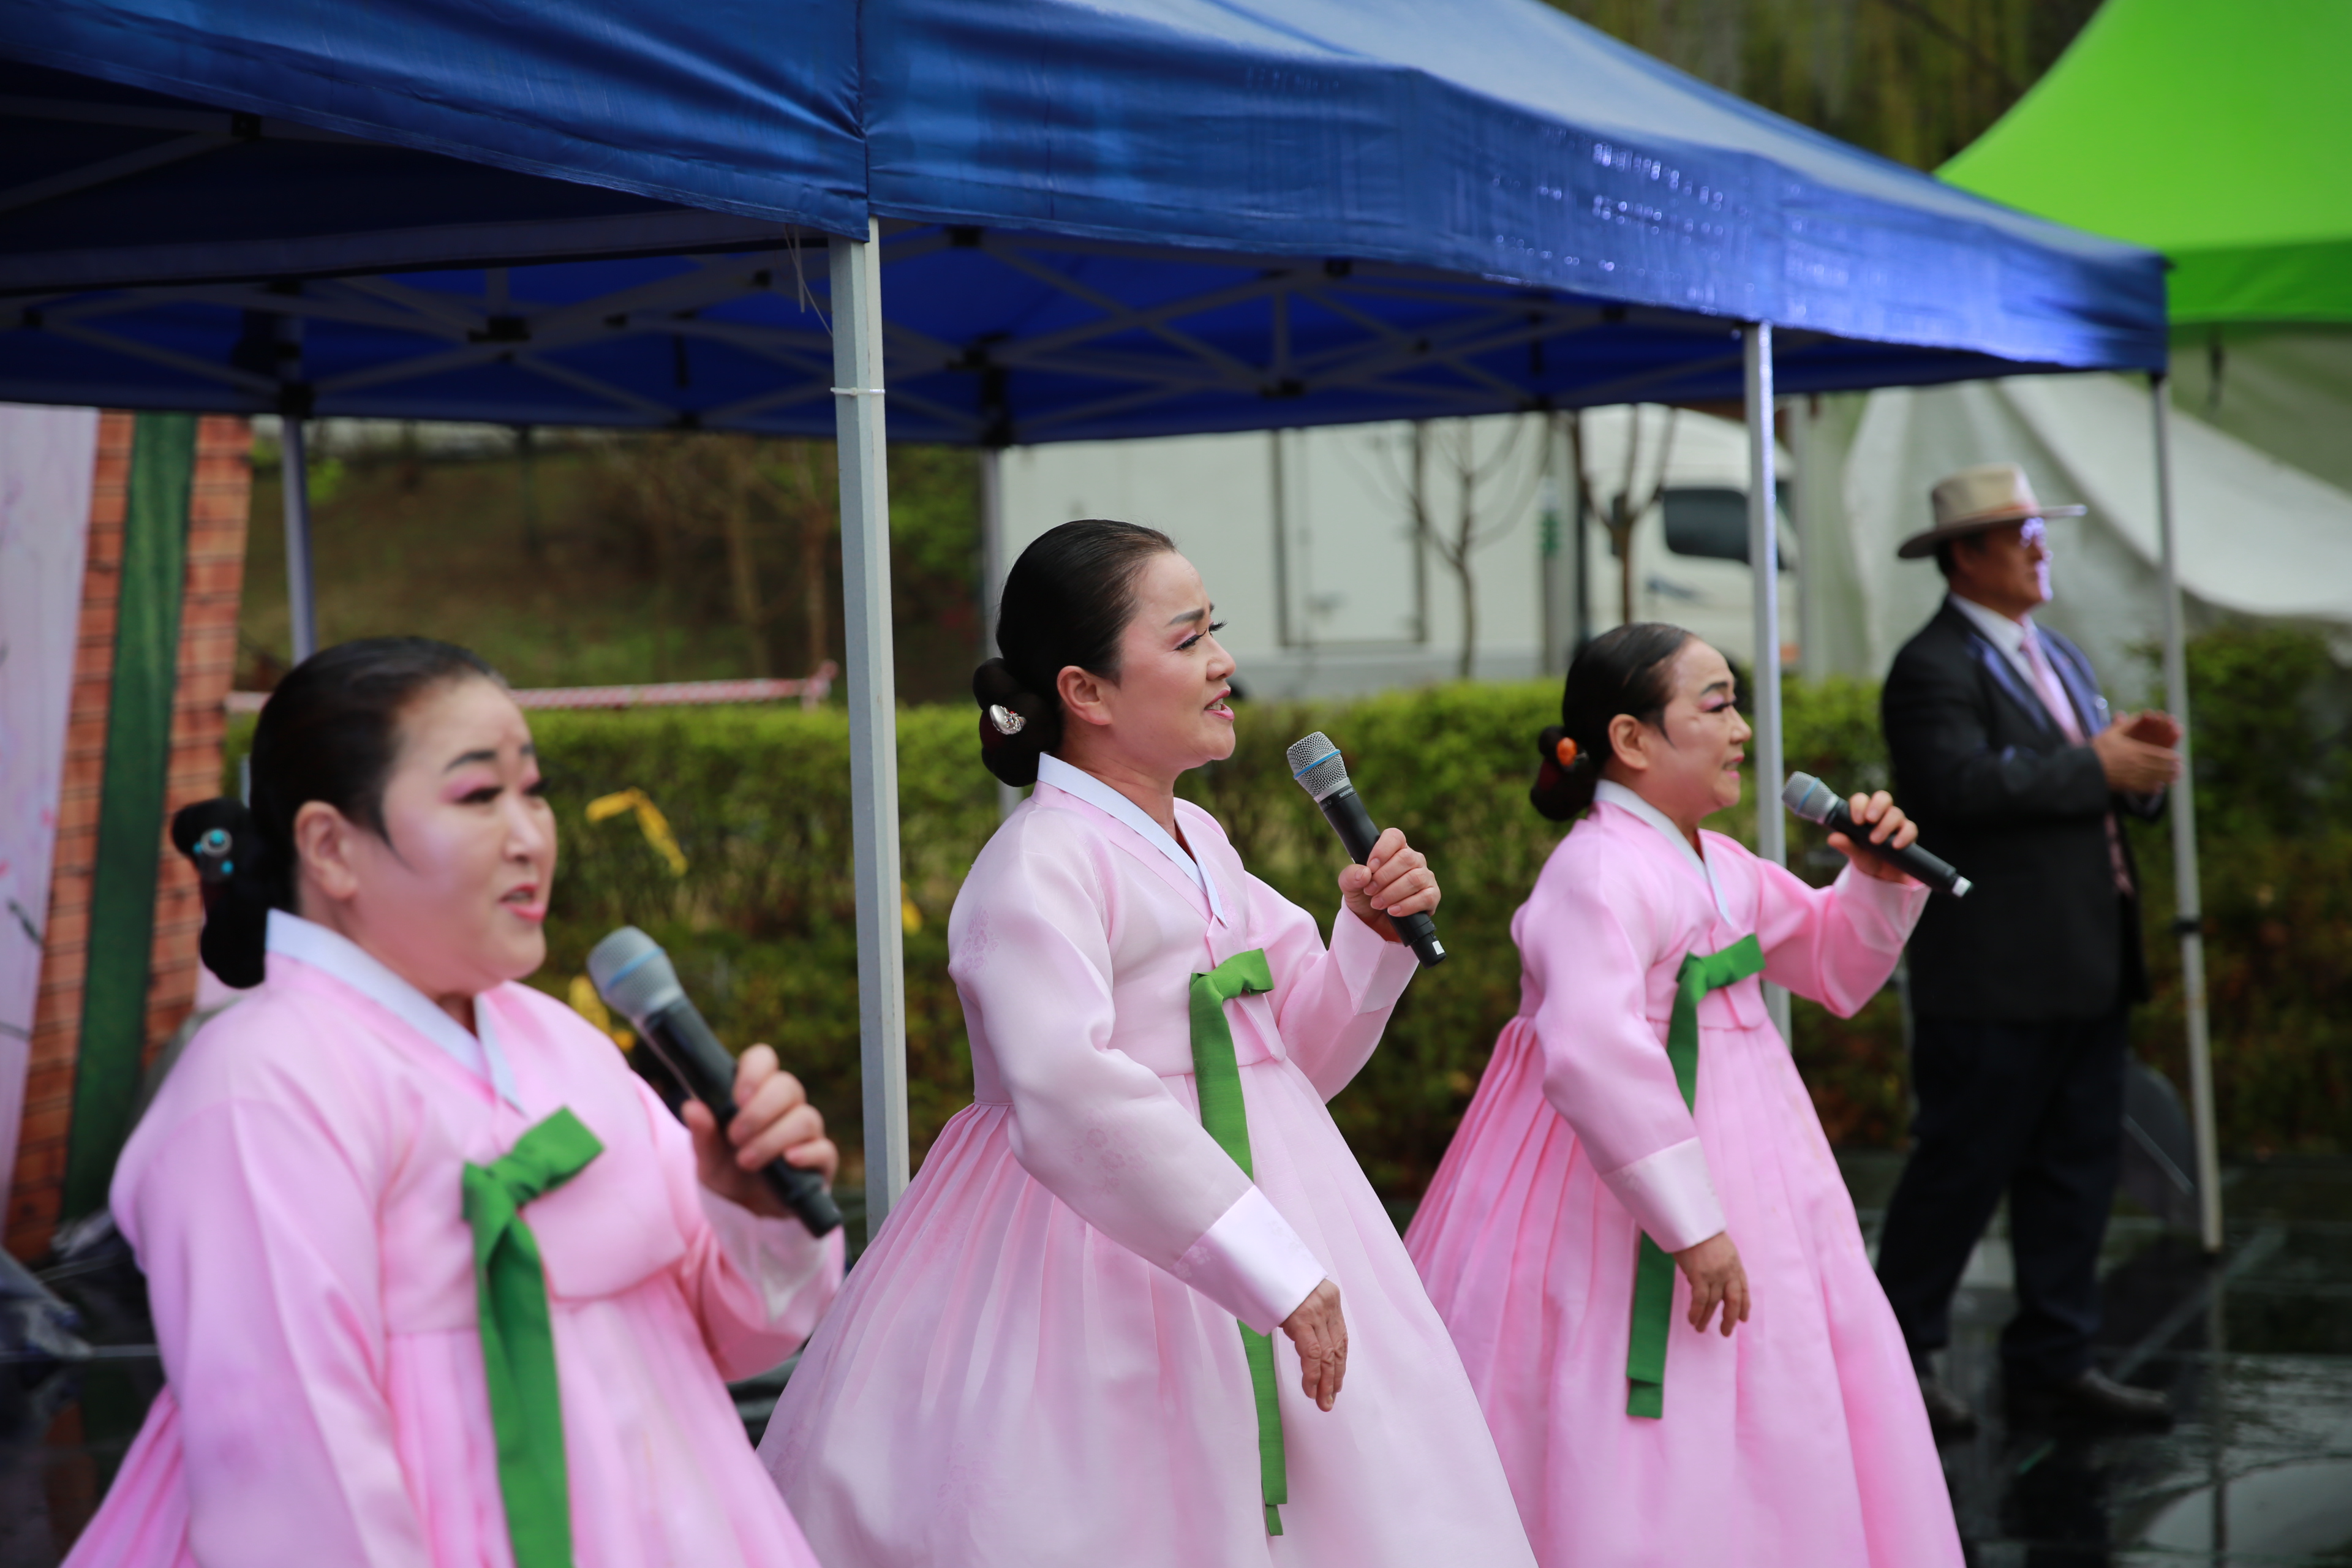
x=1394 y=880
x=773 y=1119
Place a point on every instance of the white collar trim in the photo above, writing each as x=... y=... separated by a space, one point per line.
x=307 y=941
x=1052 y=770
x=2003 y=633
x=1624 y=799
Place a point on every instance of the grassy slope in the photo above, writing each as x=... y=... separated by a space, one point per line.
x=440 y=549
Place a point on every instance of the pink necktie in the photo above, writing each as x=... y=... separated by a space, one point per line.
x=2061 y=710
x=2054 y=690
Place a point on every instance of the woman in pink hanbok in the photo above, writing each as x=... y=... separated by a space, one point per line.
x=437 y=1282
x=1111 y=1320
x=1642 y=1154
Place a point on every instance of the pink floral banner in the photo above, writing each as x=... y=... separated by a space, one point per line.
x=46 y=464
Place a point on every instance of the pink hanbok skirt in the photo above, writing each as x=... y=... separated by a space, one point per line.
x=1800 y=1442
x=1000 y=1385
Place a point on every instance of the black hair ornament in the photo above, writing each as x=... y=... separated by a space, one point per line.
x=220 y=840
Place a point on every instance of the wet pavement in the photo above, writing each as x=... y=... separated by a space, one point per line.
x=2254 y=1349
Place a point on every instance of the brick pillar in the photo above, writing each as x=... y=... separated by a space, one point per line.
x=218 y=506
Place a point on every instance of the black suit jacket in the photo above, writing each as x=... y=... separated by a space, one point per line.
x=2000 y=792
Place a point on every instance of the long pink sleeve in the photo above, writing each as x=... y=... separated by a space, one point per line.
x=1094 y=1126
x=260 y=1243
x=1330 y=1003
x=1590 y=936
x=757 y=1285
x=1835 y=945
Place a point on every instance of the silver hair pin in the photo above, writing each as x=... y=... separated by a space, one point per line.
x=1007 y=721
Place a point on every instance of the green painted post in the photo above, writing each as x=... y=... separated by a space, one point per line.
x=130 y=804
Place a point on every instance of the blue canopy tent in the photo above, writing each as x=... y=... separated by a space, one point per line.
x=1123 y=218
x=1293 y=212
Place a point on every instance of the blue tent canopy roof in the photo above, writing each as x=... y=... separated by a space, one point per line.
x=1127 y=217
x=747 y=107
x=1500 y=140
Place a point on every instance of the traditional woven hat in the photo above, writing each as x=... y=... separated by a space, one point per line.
x=1991 y=495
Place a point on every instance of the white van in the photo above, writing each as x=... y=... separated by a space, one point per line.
x=1690 y=548
x=1335 y=554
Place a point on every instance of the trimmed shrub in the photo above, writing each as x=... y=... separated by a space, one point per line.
x=762 y=921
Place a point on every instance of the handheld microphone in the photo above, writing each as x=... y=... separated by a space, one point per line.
x=1315 y=764
x=636 y=980
x=1814 y=801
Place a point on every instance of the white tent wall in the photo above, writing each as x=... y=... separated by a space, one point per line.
x=1832 y=634
x=1307 y=540
x=2285 y=390
x=2258 y=537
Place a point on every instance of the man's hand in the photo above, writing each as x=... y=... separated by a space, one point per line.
x=1321 y=1335
x=2136 y=753
x=2154 y=726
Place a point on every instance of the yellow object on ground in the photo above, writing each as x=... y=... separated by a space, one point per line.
x=650 y=821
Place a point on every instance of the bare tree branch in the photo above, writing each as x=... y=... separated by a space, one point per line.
x=1952 y=36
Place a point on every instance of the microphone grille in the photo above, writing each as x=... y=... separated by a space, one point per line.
x=633 y=975
x=1808 y=797
x=1316 y=764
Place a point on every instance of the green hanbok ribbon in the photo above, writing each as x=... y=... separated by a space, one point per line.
x=1218 y=1078
x=518 y=1336
x=1653 y=1272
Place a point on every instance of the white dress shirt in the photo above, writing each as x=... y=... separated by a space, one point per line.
x=2003 y=633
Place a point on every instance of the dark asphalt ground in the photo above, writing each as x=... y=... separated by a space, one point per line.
x=2254 y=1348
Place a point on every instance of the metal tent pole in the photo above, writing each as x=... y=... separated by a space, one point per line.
x=992 y=567
x=1764 y=565
x=2187 y=896
x=1550 y=557
x=294 y=478
x=992 y=540
x=1805 y=495
x=873 y=719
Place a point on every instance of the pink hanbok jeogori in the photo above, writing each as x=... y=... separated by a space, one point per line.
x=1801 y=1441
x=1036 y=1365
x=293 y=1195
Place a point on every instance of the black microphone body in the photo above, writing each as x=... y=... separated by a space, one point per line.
x=676 y=1030
x=1343 y=808
x=684 y=1041
x=1814 y=801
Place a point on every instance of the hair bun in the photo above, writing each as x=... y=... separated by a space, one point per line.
x=219 y=839
x=1565 y=777
x=1016 y=725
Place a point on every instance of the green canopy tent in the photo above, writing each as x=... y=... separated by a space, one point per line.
x=2214 y=134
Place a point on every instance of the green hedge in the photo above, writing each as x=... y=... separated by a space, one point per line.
x=762 y=920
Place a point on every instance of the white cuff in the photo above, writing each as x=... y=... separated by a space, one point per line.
x=779 y=1256
x=1670 y=1195
x=1252 y=1264
x=1374 y=969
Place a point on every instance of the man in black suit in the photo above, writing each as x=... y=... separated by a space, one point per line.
x=2005 y=754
